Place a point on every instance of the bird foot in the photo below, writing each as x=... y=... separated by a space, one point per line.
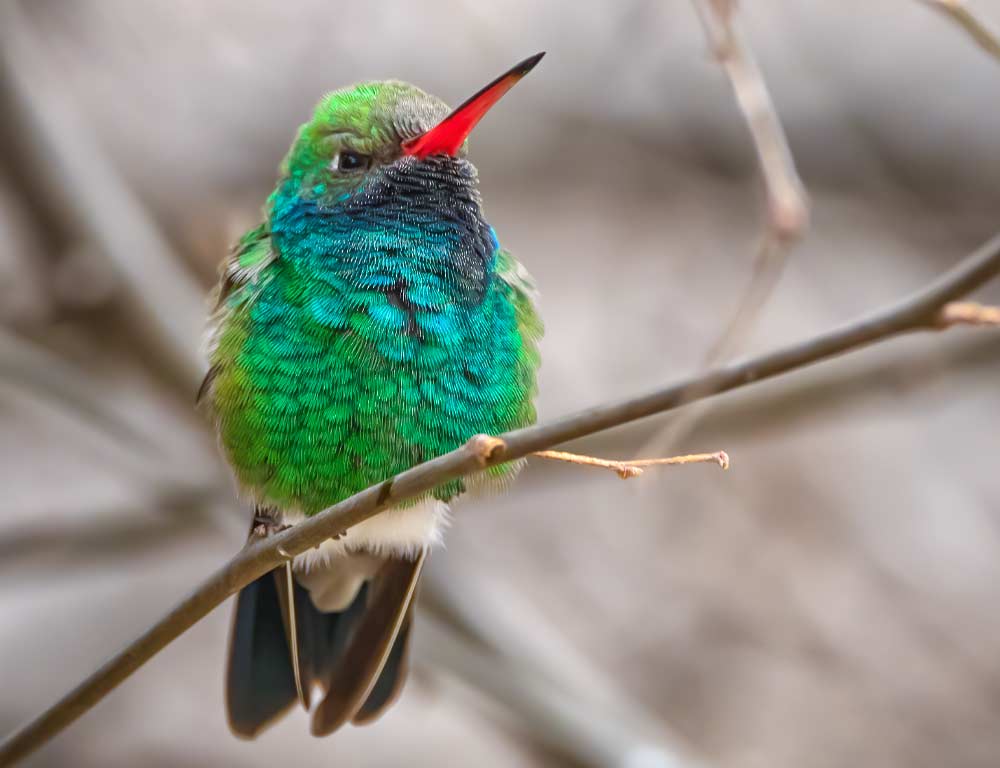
x=267 y=522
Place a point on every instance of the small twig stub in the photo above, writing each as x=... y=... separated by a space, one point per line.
x=486 y=448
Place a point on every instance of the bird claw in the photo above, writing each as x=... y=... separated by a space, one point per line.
x=267 y=523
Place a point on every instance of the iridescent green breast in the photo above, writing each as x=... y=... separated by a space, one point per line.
x=364 y=346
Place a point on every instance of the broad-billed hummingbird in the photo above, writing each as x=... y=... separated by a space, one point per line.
x=370 y=322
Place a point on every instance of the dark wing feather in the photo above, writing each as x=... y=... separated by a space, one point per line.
x=260 y=684
x=206 y=384
x=241 y=270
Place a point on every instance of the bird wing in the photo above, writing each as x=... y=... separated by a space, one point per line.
x=242 y=273
x=524 y=296
x=244 y=265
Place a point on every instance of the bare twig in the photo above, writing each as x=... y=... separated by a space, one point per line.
x=788 y=207
x=959 y=12
x=787 y=216
x=543 y=658
x=635 y=467
x=40 y=373
x=968 y=313
x=28 y=550
x=582 y=730
x=123 y=437
x=917 y=312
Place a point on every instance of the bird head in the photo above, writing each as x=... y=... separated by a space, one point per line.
x=359 y=131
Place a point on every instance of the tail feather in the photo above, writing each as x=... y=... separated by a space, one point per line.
x=356 y=673
x=391 y=679
x=285 y=583
x=323 y=635
x=357 y=656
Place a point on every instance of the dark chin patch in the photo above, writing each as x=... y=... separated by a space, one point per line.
x=440 y=195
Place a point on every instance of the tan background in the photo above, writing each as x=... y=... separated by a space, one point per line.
x=830 y=601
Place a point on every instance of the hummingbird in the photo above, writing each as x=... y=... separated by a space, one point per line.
x=370 y=322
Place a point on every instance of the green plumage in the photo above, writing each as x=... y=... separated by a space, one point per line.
x=371 y=322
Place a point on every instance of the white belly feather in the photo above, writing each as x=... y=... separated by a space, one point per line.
x=394 y=532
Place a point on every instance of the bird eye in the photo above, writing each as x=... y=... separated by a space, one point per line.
x=350 y=162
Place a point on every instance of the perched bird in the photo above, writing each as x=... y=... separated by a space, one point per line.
x=370 y=322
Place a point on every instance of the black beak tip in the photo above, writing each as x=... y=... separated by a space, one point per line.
x=528 y=64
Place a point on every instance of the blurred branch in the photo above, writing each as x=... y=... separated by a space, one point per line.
x=574 y=692
x=959 y=12
x=86 y=542
x=787 y=215
x=819 y=397
x=40 y=373
x=788 y=207
x=921 y=311
x=52 y=380
x=165 y=304
x=556 y=718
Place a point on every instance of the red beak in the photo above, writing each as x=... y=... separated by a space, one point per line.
x=447 y=137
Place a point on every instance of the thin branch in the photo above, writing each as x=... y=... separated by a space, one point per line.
x=788 y=206
x=920 y=311
x=585 y=731
x=43 y=374
x=543 y=658
x=55 y=382
x=768 y=267
x=634 y=467
x=968 y=313
x=154 y=518
x=787 y=216
x=958 y=11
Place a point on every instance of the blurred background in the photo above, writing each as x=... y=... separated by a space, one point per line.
x=829 y=601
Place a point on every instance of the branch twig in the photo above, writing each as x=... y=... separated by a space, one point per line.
x=585 y=730
x=635 y=467
x=787 y=216
x=40 y=373
x=610 y=726
x=958 y=12
x=788 y=207
x=920 y=311
x=967 y=313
